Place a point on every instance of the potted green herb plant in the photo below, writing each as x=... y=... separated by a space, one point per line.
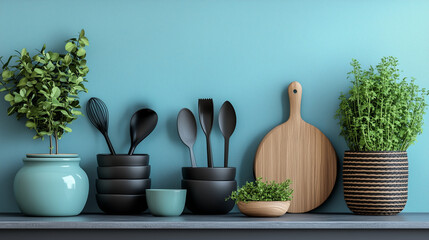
x=380 y=117
x=43 y=89
x=263 y=199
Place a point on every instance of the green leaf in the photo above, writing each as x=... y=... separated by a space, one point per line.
x=54 y=56
x=67 y=129
x=23 y=52
x=38 y=71
x=78 y=88
x=84 y=41
x=50 y=66
x=22 y=92
x=22 y=82
x=75 y=112
x=65 y=113
x=79 y=80
x=82 y=33
x=81 y=52
x=70 y=47
x=30 y=124
x=7 y=62
x=8 y=97
x=37 y=59
x=67 y=59
x=56 y=103
x=55 y=92
x=43 y=49
x=11 y=110
x=6 y=74
x=18 y=98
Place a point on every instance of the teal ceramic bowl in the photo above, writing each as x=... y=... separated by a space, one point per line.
x=166 y=202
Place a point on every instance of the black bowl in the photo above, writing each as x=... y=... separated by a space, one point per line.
x=121 y=204
x=208 y=197
x=204 y=173
x=106 y=160
x=122 y=186
x=124 y=172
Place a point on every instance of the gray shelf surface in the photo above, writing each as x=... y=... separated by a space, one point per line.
x=230 y=221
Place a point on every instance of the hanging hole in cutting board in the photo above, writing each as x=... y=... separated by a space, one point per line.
x=295 y=91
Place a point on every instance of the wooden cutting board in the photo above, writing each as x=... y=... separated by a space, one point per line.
x=300 y=152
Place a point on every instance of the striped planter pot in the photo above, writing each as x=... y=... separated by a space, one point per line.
x=375 y=183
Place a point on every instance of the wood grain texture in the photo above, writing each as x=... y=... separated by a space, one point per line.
x=300 y=152
x=264 y=208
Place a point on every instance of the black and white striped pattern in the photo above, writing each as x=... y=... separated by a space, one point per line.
x=375 y=183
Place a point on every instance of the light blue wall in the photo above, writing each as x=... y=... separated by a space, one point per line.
x=167 y=54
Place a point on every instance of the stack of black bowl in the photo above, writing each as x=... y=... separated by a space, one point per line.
x=123 y=180
x=207 y=189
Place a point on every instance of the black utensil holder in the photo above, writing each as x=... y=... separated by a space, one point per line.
x=205 y=195
x=120 y=198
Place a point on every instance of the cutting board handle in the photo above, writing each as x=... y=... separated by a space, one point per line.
x=295 y=93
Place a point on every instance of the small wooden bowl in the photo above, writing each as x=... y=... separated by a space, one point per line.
x=264 y=208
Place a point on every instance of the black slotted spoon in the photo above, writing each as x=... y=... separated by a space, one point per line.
x=98 y=114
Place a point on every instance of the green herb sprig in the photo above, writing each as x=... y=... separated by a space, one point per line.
x=44 y=88
x=263 y=191
x=381 y=112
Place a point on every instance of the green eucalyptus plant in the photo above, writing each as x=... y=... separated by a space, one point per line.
x=263 y=191
x=44 y=88
x=381 y=111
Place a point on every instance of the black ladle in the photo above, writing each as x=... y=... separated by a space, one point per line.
x=99 y=116
x=142 y=124
x=227 y=122
x=187 y=129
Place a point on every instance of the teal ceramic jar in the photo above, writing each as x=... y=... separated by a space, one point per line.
x=51 y=185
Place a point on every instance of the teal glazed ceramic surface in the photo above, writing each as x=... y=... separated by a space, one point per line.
x=166 y=202
x=51 y=185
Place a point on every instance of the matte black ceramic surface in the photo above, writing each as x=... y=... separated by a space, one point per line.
x=205 y=110
x=227 y=122
x=208 y=197
x=106 y=160
x=217 y=174
x=124 y=172
x=187 y=128
x=98 y=114
x=121 y=204
x=122 y=186
x=142 y=124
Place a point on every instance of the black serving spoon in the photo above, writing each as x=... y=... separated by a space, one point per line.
x=142 y=124
x=187 y=129
x=227 y=122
